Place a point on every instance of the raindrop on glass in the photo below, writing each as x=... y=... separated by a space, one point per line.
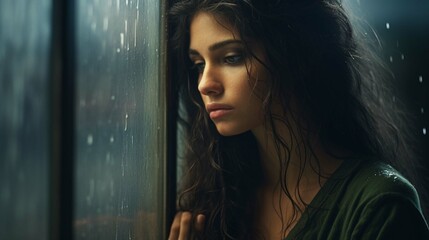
x=118 y=50
x=113 y=97
x=112 y=139
x=89 y=140
x=391 y=59
x=424 y=131
x=126 y=122
x=402 y=56
x=122 y=40
x=422 y=110
x=420 y=79
x=105 y=24
x=387 y=25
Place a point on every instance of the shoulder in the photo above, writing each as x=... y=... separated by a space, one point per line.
x=386 y=204
x=378 y=180
x=364 y=200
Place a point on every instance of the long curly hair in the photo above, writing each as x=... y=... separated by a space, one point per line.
x=315 y=58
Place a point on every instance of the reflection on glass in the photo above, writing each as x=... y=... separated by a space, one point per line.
x=119 y=171
x=25 y=33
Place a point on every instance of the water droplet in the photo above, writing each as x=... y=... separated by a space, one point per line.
x=90 y=195
x=112 y=189
x=112 y=139
x=118 y=50
x=105 y=23
x=126 y=122
x=126 y=26
x=113 y=97
x=422 y=110
x=89 y=140
x=391 y=59
x=123 y=168
x=122 y=40
x=394 y=99
x=420 y=79
x=424 y=131
x=135 y=31
x=387 y=25
x=402 y=56
x=107 y=157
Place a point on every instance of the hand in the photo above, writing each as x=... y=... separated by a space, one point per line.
x=181 y=227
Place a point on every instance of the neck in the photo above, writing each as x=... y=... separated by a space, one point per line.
x=302 y=165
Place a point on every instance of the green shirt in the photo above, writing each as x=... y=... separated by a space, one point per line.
x=363 y=200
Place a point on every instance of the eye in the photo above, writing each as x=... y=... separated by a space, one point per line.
x=198 y=66
x=233 y=59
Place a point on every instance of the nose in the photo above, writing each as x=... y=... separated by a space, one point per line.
x=210 y=82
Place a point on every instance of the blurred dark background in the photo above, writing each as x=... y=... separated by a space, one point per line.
x=402 y=28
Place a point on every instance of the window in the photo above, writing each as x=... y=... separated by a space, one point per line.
x=120 y=125
x=83 y=120
x=25 y=34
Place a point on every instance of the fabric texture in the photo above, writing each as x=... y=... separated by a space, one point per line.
x=363 y=200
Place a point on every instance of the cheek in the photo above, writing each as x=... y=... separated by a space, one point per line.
x=260 y=82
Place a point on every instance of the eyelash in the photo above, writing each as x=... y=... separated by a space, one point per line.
x=236 y=59
x=198 y=66
x=229 y=60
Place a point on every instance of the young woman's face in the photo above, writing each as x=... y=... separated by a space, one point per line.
x=227 y=75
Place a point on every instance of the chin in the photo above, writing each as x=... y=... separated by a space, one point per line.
x=229 y=131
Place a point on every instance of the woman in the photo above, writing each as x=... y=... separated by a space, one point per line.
x=288 y=136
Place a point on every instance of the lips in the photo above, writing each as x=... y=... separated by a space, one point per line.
x=217 y=110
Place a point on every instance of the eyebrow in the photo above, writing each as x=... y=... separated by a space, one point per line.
x=217 y=45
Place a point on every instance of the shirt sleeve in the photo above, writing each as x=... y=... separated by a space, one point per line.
x=391 y=216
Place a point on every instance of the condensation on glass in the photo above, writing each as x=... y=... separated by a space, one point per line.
x=25 y=33
x=120 y=141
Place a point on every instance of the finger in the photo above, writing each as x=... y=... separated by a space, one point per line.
x=175 y=227
x=200 y=221
x=185 y=224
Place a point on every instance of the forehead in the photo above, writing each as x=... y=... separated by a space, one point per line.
x=205 y=29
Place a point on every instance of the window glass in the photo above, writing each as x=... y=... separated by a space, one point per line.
x=25 y=32
x=120 y=121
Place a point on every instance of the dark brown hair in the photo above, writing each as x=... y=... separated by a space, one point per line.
x=315 y=58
